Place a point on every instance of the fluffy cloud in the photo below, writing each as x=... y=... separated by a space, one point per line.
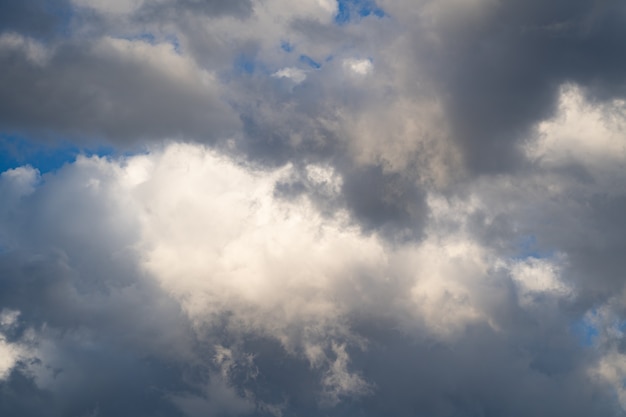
x=182 y=251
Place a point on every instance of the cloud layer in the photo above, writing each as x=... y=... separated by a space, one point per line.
x=314 y=208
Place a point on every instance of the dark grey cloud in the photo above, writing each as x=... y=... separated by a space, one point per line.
x=597 y=257
x=109 y=91
x=111 y=382
x=385 y=201
x=500 y=69
x=43 y=19
x=481 y=376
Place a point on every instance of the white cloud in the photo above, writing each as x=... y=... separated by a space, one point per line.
x=324 y=178
x=358 y=66
x=9 y=355
x=19 y=181
x=216 y=238
x=537 y=276
x=295 y=74
x=582 y=132
x=448 y=278
x=214 y=235
x=11 y=352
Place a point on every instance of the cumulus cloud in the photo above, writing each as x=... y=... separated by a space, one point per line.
x=202 y=252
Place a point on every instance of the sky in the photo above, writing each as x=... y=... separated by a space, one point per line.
x=333 y=208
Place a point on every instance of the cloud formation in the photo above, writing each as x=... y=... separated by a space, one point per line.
x=314 y=208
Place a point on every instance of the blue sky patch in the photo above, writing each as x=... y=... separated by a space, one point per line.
x=245 y=64
x=353 y=10
x=305 y=59
x=146 y=37
x=528 y=247
x=173 y=39
x=286 y=46
x=586 y=332
x=16 y=151
x=64 y=14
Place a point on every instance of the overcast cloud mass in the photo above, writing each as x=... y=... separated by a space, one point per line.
x=339 y=208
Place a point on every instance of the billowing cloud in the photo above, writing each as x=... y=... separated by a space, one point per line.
x=186 y=257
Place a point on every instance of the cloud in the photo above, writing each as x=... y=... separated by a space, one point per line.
x=295 y=74
x=581 y=133
x=142 y=8
x=10 y=353
x=181 y=252
x=314 y=207
x=128 y=91
x=501 y=65
x=358 y=66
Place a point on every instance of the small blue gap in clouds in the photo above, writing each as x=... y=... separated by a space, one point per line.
x=244 y=64
x=586 y=332
x=151 y=39
x=305 y=59
x=343 y=12
x=63 y=12
x=146 y=37
x=352 y=10
x=528 y=248
x=286 y=46
x=173 y=40
x=16 y=151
